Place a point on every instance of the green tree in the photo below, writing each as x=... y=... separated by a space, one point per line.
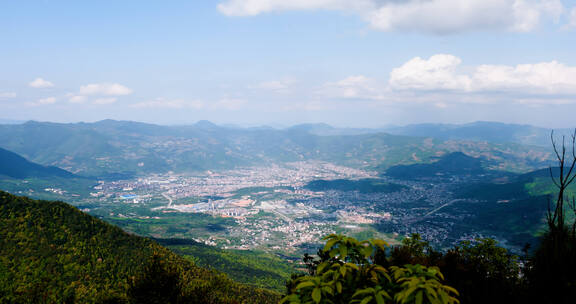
x=347 y=272
x=482 y=271
x=159 y=283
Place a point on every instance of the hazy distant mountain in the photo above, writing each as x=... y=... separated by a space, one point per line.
x=480 y=131
x=323 y=129
x=126 y=147
x=15 y=166
x=11 y=121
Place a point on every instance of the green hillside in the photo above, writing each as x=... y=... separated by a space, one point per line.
x=52 y=253
x=456 y=163
x=15 y=166
x=255 y=268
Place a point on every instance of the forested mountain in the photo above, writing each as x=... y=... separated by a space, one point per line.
x=15 y=166
x=453 y=164
x=52 y=253
x=121 y=147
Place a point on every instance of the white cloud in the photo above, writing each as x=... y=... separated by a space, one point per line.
x=76 y=99
x=442 y=79
x=445 y=16
x=161 y=103
x=105 y=101
x=437 y=73
x=353 y=87
x=539 y=78
x=256 y=7
x=46 y=101
x=105 y=89
x=7 y=95
x=437 y=16
x=444 y=72
x=40 y=83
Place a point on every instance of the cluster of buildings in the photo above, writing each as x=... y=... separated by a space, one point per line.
x=274 y=211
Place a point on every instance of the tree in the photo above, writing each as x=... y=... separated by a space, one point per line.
x=347 y=272
x=552 y=270
x=159 y=283
x=482 y=271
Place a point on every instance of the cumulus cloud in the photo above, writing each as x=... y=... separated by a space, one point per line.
x=162 y=103
x=40 y=83
x=437 y=73
x=7 y=95
x=438 y=16
x=539 y=78
x=444 y=72
x=105 y=89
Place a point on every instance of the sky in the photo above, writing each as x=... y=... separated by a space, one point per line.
x=348 y=63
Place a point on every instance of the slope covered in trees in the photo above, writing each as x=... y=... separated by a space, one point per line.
x=52 y=253
x=15 y=166
x=256 y=268
x=452 y=164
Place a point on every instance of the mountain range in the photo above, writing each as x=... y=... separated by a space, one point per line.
x=483 y=131
x=124 y=148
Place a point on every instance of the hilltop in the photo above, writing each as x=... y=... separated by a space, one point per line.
x=50 y=252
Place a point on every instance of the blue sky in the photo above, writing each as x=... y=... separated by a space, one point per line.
x=348 y=63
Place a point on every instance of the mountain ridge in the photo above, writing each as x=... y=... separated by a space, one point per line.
x=16 y=166
x=130 y=148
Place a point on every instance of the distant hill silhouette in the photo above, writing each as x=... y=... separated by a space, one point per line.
x=16 y=166
x=495 y=132
x=456 y=163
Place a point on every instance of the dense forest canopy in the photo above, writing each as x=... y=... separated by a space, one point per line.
x=50 y=252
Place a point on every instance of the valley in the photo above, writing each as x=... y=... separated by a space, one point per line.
x=280 y=191
x=286 y=209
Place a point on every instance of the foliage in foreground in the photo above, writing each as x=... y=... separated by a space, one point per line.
x=348 y=272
